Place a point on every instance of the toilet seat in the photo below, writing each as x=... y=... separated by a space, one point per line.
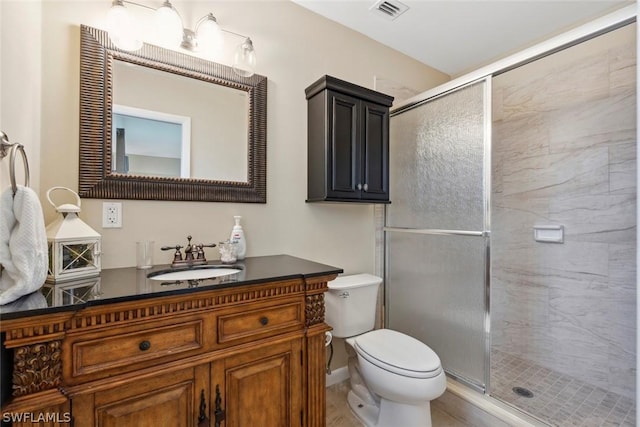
x=398 y=353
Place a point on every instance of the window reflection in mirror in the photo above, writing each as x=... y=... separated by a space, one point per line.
x=150 y=143
x=217 y=140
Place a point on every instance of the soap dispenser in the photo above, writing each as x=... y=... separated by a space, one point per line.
x=237 y=236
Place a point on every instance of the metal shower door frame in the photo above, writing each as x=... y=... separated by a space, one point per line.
x=485 y=233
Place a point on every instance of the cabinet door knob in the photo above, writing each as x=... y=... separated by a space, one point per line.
x=264 y=320
x=359 y=186
x=144 y=345
x=366 y=187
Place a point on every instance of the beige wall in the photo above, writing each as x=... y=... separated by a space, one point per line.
x=294 y=48
x=20 y=83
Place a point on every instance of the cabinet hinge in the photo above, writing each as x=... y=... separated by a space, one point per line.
x=301 y=417
x=301 y=358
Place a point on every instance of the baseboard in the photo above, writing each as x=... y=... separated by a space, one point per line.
x=337 y=376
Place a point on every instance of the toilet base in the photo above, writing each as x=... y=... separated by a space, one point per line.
x=390 y=414
x=365 y=412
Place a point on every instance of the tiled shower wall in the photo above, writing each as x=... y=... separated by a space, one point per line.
x=564 y=153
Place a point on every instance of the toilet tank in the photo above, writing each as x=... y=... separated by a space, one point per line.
x=350 y=304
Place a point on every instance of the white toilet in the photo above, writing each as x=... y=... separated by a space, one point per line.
x=393 y=376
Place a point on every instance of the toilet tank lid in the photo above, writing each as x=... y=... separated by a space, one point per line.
x=354 y=281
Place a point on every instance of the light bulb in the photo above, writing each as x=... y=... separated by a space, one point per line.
x=209 y=35
x=244 y=59
x=123 y=31
x=168 y=26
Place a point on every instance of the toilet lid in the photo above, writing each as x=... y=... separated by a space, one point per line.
x=398 y=353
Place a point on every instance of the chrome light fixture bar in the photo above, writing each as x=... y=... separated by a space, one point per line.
x=169 y=31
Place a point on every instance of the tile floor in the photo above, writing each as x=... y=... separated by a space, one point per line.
x=557 y=399
x=339 y=414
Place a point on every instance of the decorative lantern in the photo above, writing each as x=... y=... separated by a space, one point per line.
x=74 y=247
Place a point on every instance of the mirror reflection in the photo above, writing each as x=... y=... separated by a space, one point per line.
x=169 y=125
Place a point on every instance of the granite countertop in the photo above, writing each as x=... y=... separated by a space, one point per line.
x=128 y=284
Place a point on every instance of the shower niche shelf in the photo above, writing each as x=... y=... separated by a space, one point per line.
x=348 y=143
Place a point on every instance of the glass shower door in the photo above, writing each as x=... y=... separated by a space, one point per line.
x=436 y=229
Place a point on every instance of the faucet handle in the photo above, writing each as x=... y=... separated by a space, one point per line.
x=168 y=248
x=200 y=250
x=177 y=256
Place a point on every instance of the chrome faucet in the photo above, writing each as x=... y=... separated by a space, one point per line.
x=189 y=258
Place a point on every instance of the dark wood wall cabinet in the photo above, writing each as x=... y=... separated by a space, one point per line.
x=348 y=137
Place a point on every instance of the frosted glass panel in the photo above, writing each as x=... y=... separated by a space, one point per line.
x=436 y=163
x=435 y=291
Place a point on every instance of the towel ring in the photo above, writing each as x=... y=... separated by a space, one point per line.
x=6 y=148
x=12 y=167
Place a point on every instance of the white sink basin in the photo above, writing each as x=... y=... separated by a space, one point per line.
x=195 y=274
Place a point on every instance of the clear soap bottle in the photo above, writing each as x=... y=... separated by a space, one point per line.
x=237 y=236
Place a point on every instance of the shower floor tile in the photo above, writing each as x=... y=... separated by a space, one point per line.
x=558 y=399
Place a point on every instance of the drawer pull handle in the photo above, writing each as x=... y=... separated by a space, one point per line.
x=203 y=421
x=264 y=320
x=145 y=345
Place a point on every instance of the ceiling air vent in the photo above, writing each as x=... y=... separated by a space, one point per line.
x=389 y=9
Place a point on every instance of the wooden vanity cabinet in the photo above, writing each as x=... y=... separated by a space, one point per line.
x=348 y=142
x=167 y=399
x=250 y=355
x=262 y=387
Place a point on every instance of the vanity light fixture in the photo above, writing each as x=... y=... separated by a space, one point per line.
x=122 y=28
x=169 y=31
x=207 y=37
x=167 y=25
x=244 y=59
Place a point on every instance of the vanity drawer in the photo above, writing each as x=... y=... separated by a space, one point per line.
x=95 y=356
x=261 y=322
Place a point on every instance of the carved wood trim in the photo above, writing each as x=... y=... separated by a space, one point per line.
x=314 y=309
x=316 y=394
x=35 y=329
x=114 y=314
x=318 y=284
x=37 y=367
x=314 y=298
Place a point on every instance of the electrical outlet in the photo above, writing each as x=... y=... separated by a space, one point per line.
x=111 y=215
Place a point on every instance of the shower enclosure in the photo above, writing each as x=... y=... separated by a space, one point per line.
x=510 y=241
x=436 y=226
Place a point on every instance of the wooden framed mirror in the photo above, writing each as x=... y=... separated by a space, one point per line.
x=218 y=153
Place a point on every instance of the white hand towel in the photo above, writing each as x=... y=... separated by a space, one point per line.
x=23 y=244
